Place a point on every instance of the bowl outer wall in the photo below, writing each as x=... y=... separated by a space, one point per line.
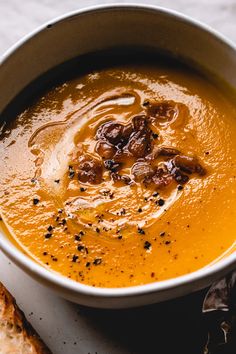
x=100 y=28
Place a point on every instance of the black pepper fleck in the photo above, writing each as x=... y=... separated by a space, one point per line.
x=154 y=135
x=141 y=231
x=80 y=248
x=71 y=172
x=35 y=201
x=97 y=261
x=74 y=258
x=160 y=202
x=147 y=245
x=123 y=211
x=63 y=222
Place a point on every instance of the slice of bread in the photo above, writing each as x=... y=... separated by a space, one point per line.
x=17 y=336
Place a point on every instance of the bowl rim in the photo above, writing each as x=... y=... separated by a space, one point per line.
x=57 y=279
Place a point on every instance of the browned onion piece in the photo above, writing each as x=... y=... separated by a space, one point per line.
x=167 y=151
x=188 y=164
x=138 y=145
x=90 y=170
x=120 y=178
x=140 y=122
x=162 y=151
x=140 y=141
x=105 y=150
x=161 y=110
x=177 y=174
x=142 y=170
x=162 y=178
x=111 y=132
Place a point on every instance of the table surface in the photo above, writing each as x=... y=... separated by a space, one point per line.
x=68 y=328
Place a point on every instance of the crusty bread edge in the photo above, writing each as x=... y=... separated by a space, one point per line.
x=13 y=314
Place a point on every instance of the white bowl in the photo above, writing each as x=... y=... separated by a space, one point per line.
x=99 y=28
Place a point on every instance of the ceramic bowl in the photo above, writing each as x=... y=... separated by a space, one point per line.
x=101 y=28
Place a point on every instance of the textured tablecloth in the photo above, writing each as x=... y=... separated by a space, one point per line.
x=68 y=328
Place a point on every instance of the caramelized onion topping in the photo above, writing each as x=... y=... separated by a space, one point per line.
x=164 y=111
x=189 y=165
x=116 y=142
x=142 y=170
x=90 y=170
x=105 y=149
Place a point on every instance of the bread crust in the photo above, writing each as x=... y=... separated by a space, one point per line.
x=12 y=317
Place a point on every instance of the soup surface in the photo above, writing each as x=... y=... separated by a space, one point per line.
x=123 y=176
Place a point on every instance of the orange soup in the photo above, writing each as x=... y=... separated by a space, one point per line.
x=123 y=176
